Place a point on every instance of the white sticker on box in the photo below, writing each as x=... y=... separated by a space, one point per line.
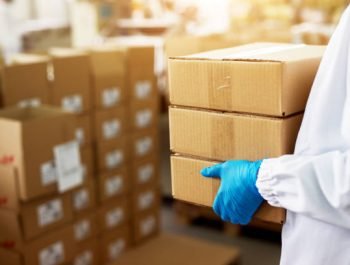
x=82 y=230
x=113 y=186
x=143 y=146
x=145 y=200
x=80 y=135
x=50 y=212
x=116 y=248
x=145 y=173
x=143 y=89
x=114 y=159
x=73 y=103
x=52 y=255
x=29 y=103
x=143 y=118
x=81 y=199
x=48 y=173
x=86 y=258
x=68 y=166
x=110 y=96
x=114 y=217
x=111 y=129
x=147 y=225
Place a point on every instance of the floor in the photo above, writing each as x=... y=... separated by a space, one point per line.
x=257 y=247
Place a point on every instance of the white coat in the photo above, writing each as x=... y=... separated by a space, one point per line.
x=314 y=183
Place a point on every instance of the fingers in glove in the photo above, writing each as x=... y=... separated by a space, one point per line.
x=212 y=172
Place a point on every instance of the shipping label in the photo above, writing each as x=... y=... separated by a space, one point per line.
x=48 y=173
x=82 y=230
x=145 y=173
x=85 y=258
x=50 y=212
x=143 y=118
x=73 y=103
x=116 y=249
x=111 y=96
x=29 y=103
x=52 y=255
x=114 y=159
x=114 y=186
x=143 y=89
x=111 y=129
x=144 y=146
x=114 y=217
x=145 y=200
x=81 y=199
x=147 y=225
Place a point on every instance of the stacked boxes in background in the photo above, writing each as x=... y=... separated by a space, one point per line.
x=239 y=103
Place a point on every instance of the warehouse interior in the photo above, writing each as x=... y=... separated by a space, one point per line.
x=111 y=108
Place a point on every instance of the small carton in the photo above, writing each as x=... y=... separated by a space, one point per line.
x=112 y=155
x=144 y=115
x=146 y=225
x=144 y=144
x=84 y=198
x=145 y=198
x=145 y=171
x=87 y=253
x=85 y=228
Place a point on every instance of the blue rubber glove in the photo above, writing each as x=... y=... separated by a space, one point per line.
x=238 y=198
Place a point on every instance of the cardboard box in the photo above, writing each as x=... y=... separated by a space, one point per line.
x=144 y=115
x=9 y=188
x=84 y=198
x=70 y=86
x=264 y=78
x=108 y=76
x=145 y=198
x=28 y=137
x=113 y=244
x=146 y=225
x=24 y=82
x=85 y=228
x=83 y=130
x=188 y=185
x=87 y=160
x=145 y=171
x=112 y=184
x=144 y=144
x=173 y=249
x=110 y=124
x=225 y=136
x=142 y=83
x=56 y=247
x=112 y=155
x=33 y=219
x=87 y=253
x=113 y=214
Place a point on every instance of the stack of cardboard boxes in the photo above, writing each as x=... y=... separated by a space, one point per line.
x=239 y=103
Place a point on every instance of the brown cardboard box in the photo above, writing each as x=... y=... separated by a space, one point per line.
x=264 y=78
x=144 y=115
x=112 y=184
x=87 y=160
x=108 y=75
x=146 y=225
x=83 y=130
x=145 y=171
x=142 y=85
x=84 y=198
x=9 y=190
x=87 y=253
x=172 y=249
x=114 y=243
x=85 y=228
x=71 y=87
x=110 y=124
x=144 y=144
x=188 y=185
x=24 y=82
x=225 y=136
x=56 y=246
x=33 y=219
x=28 y=137
x=113 y=155
x=145 y=198
x=113 y=214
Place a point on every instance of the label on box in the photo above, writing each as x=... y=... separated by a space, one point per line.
x=143 y=89
x=50 y=212
x=143 y=118
x=81 y=199
x=68 y=166
x=114 y=217
x=85 y=258
x=80 y=136
x=48 y=173
x=29 y=103
x=110 y=96
x=145 y=173
x=145 y=200
x=114 y=159
x=116 y=248
x=73 y=103
x=148 y=225
x=82 y=230
x=52 y=255
x=111 y=129
x=114 y=186
x=143 y=146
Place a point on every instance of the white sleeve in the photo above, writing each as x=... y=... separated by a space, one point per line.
x=316 y=186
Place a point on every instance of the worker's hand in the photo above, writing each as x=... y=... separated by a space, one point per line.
x=238 y=198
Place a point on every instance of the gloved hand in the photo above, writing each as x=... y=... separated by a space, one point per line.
x=237 y=198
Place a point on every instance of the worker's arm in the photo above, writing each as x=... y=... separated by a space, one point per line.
x=317 y=186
